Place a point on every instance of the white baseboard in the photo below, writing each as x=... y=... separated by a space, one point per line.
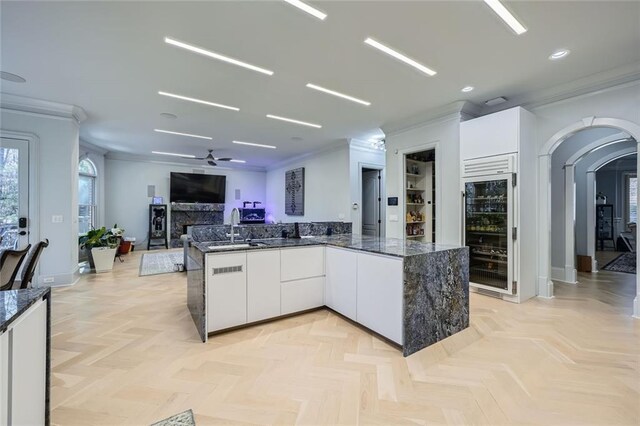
x=59 y=280
x=545 y=288
x=560 y=274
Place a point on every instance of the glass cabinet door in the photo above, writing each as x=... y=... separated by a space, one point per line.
x=488 y=233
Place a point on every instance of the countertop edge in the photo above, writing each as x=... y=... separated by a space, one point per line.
x=39 y=293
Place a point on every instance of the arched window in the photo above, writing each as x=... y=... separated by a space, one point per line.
x=86 y=196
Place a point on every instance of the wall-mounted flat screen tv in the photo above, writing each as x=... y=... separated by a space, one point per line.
x=197 y=188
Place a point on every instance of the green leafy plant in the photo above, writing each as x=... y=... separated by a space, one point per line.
x=98 y=238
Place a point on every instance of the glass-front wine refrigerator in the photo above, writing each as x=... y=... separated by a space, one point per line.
x=489 y=231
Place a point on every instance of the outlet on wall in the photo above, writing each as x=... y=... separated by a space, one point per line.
x=56 y=218
x=48 y=280
x=393 y=218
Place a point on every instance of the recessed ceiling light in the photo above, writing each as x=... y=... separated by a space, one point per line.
x=254 y=144
x=296 y=138
x=198 y=101
x=559 y=54
x=506 y=16
x=173 y=154
x=182 y=134
x=14 y=78
x=214 y=55
x=467 y=89
x=290 y=120
x=237 y=161
x=168 y=115
x=400 y=56
x=338 y=94
x=305 y=7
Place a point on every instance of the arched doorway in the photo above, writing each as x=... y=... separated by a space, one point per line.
x=545 y=284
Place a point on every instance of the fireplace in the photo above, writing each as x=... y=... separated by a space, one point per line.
x=184 y=215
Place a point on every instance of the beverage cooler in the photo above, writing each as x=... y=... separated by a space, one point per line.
x=489 y=230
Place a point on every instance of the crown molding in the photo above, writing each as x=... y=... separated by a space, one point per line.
x=591 y=84
x=334 y=146
x=92 y=147
x=12 y=102
x=189 y=163
x=459 y=110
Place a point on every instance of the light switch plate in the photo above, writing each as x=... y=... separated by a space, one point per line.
x=393 y=218
x=56 y=218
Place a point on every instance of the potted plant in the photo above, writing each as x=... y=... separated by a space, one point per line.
x=102 y=245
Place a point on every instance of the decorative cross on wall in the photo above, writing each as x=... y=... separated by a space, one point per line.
x=294 y=192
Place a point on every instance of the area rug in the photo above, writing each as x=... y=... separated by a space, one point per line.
x=183 y=419
x=626 y=263
x=160 y=263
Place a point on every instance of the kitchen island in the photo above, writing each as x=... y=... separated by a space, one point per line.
x=411 y=294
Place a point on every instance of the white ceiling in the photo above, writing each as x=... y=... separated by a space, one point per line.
x=110 y=59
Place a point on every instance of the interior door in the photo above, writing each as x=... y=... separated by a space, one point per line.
x=14 y=193
x=371 y=203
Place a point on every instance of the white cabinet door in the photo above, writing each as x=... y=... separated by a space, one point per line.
x=263 y=284
x=4 y=378
x=489 y=135
x=379 y=290
x=302 y=294
x=28 y=366
x=340 y=283
x=226 y=290
x=300 y=263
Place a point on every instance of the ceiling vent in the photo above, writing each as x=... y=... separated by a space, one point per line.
x=496 y=101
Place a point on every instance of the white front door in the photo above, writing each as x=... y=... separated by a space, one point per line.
x=371 y=203
x=14 y=193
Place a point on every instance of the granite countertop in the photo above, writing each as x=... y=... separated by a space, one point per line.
x=386 y=246
x=14 y=303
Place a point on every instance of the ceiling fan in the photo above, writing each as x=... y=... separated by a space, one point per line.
x=211 y=159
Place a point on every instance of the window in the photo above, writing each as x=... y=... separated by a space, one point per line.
x=631 y=195
x=86 y=196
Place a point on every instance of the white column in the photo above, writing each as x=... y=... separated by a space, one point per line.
x=591 y=219
x=636 y=301
x=545 y=285
x=570 y=273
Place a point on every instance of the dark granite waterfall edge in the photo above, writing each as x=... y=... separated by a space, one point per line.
x=436 y=297
x=14 y=303
x=196 y=290
x=265 y=231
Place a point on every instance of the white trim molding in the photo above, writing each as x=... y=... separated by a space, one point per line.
x=39 y=106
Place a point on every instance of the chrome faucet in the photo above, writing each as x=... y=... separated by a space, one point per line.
x=235 y=220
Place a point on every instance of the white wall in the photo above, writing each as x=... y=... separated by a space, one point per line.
x=56 y=192
x=327 y=188
x=362 y=156
x=444 y=135
x=126 y=198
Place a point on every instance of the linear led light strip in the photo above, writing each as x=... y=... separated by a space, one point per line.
x=259 y=145
x=182 y=134
x=506 y=16
x=198 y=101
x=290 y=120
x=338 y=94
x=173 y=154
x=217 y=56
x=310 y=10
x=407 y=60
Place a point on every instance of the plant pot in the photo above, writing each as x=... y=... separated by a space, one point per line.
x=124 y=247
x=103 y=258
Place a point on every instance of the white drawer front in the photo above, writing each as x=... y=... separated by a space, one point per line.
x=302 y=294
x=300 y=263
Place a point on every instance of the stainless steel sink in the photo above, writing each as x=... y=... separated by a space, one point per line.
x=229 y=246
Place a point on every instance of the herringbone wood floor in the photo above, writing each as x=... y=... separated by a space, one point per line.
x=125 y=351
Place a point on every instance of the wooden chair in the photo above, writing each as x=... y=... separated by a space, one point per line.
x=31 y=262
x=10 y=262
